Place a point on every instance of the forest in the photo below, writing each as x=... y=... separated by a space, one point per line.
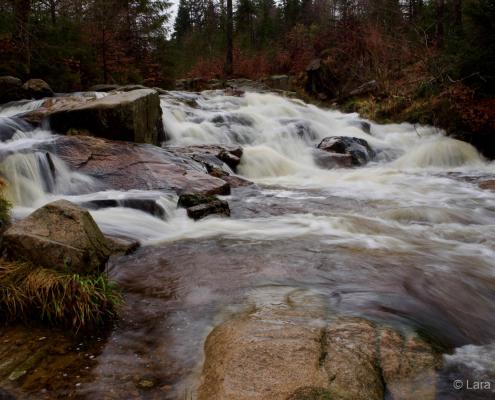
x=431 y=59
x=73 y=44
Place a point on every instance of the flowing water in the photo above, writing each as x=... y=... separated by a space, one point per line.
x=408 y=240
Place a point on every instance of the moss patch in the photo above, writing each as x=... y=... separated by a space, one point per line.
x=29 y=292
x=310 y=393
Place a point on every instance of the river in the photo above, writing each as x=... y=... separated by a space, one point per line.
x=407 y=240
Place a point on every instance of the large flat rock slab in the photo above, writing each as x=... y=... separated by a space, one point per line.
x=127 y=166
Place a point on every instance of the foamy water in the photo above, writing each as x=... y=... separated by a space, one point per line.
x=414 y=216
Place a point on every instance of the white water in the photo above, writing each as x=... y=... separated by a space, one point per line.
x=409 y=182
x=414 y=214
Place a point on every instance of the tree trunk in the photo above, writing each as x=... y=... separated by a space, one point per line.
x=53 y=12
x=457 y=5
x=22 y=12
x=229 y=60
x=439 y=16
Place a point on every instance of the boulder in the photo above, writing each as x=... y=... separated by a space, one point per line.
x=128 y=166
x=38 y=89
x=330 y=160
x=134 y=116
x=11 y=89
x=60 y=236
x=359 y=149
x=199 y=206
x=283 y=350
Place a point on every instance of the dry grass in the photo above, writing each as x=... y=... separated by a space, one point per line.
x=28 y=292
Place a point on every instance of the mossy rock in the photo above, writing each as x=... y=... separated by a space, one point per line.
x=310 y=393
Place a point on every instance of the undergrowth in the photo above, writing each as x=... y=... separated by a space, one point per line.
x=28 y=292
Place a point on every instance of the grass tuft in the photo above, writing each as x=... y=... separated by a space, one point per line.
x=29 y=292
x=5 y=206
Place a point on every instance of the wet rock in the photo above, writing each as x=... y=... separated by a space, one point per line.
x=60 y=236
x=11 y=89
x=149 y=206
x=128 y=88
x=120 y=245
x=359 y=149
x=103 y=88
x=134 y=116
x=128 y=166
x=237 y=87
x=52 y=105
x=408 y=366
x=215 y=84
x=30 y=363
x=329 y=160
x=269 y=353
x=193 y=85
x=236 y=181
x=283 y=350
x=38 y=89
x=213 y=156
x=350 y=360
x=199 y=206
x=488 y=185
x=278 y=82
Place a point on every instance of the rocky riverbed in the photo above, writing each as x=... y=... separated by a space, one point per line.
x=331 y=257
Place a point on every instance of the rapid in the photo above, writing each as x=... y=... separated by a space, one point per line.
x=407 y=240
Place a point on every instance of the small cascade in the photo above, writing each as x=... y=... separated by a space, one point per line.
x=32 y=176
x=20 y=107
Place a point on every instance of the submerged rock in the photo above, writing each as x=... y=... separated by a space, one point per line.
x=38 y=89
x=134 y=116
x=359 y=149
x=199 y=206
x=60 y=236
